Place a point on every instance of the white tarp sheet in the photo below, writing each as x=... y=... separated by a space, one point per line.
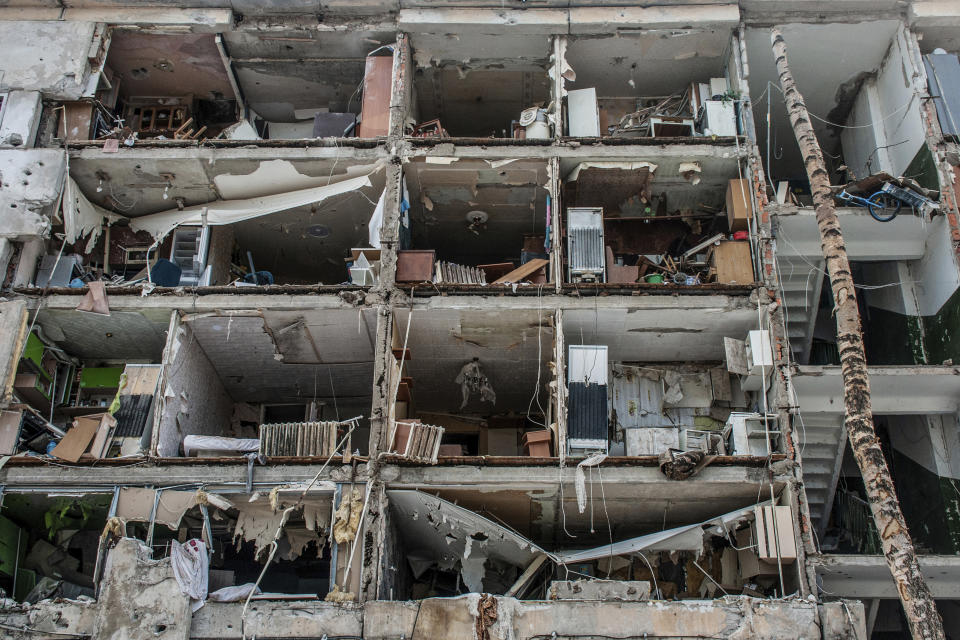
x=220 y=212
x=686 y=538
x=192 y=444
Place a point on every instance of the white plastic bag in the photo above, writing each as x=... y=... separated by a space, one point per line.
x=190 y=568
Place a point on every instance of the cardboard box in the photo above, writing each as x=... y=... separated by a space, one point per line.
x=733 y=262
x=536 y=444
x=498 y=442
x=738 y=205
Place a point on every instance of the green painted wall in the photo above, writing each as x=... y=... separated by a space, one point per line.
x=941 y=332
x=930 y=504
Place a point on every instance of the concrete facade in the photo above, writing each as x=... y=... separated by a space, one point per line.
x=360 y=538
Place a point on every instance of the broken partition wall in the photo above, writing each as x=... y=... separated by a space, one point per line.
x=281 y=383
x=484 y=376
x=642 y=381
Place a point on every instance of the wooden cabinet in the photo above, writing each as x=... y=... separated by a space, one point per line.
x=733 y=263
x=377 y=82
x=738 y=205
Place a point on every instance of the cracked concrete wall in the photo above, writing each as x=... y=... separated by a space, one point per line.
x=31 y=181
x=139 y=597
x=48 y=619
x=50 y=57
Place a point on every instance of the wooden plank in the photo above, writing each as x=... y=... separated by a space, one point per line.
x=78 y=438
x=523 y=271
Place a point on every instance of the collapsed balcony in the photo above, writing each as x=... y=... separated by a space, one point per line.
x=475 y=222
x=564 y=543
x=85 y=385
x=240 y=222
x=694 y=385
x=661 y=222
x=659 y=84
x=275 y=383
x=479 y=85
x=480 y=379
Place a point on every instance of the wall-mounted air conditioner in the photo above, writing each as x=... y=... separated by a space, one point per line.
x=585 y=259
x=752 y=359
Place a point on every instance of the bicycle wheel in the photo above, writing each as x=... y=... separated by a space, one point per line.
x=883 y=206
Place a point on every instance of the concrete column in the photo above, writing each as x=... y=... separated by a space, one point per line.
x=27 y=264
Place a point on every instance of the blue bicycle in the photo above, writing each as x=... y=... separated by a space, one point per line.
x=882 y=205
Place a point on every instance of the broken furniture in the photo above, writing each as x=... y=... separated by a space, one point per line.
x=44 y=377
x=738 y=205
x=415 y=265
x=430 y=129
x=751 y=434
x=671 y=127
x=768 y=543
x=151 y=116
x=585 y=248
x=416 y=441
x=88 y=437
x=533 y=271
x=536 y=444
x=96 y=389
x=364 y=266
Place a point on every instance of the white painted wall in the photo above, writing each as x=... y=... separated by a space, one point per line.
x=935 y=276
x=897 y=86
x=32 y=179
x=932 y=441
x=46 y=56
x=892 y=104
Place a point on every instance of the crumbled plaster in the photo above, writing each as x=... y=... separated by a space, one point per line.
x=139 y=597
x=47 y=56
x=32 y=180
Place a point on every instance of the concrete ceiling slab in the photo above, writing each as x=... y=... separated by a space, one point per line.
x=659 y=335
x=245 y=357
x=894 y=390
x=863 y=577
x=659 y=62
x=121 y=336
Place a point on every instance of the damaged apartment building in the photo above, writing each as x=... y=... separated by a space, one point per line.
x=494 y=320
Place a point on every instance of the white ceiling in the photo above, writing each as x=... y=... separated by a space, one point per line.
x=822 y=58
x=660 y=62
x=662 y=335
x=245 y=356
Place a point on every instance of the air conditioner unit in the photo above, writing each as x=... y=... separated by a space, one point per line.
x=748 y=434
x=587 y=397
x=752 y=359
x=585 y=259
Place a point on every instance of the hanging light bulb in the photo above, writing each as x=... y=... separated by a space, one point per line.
x=100 y=186
x=166 y=191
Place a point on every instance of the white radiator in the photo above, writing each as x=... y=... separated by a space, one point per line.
x=585 y=244
x=300 y=439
